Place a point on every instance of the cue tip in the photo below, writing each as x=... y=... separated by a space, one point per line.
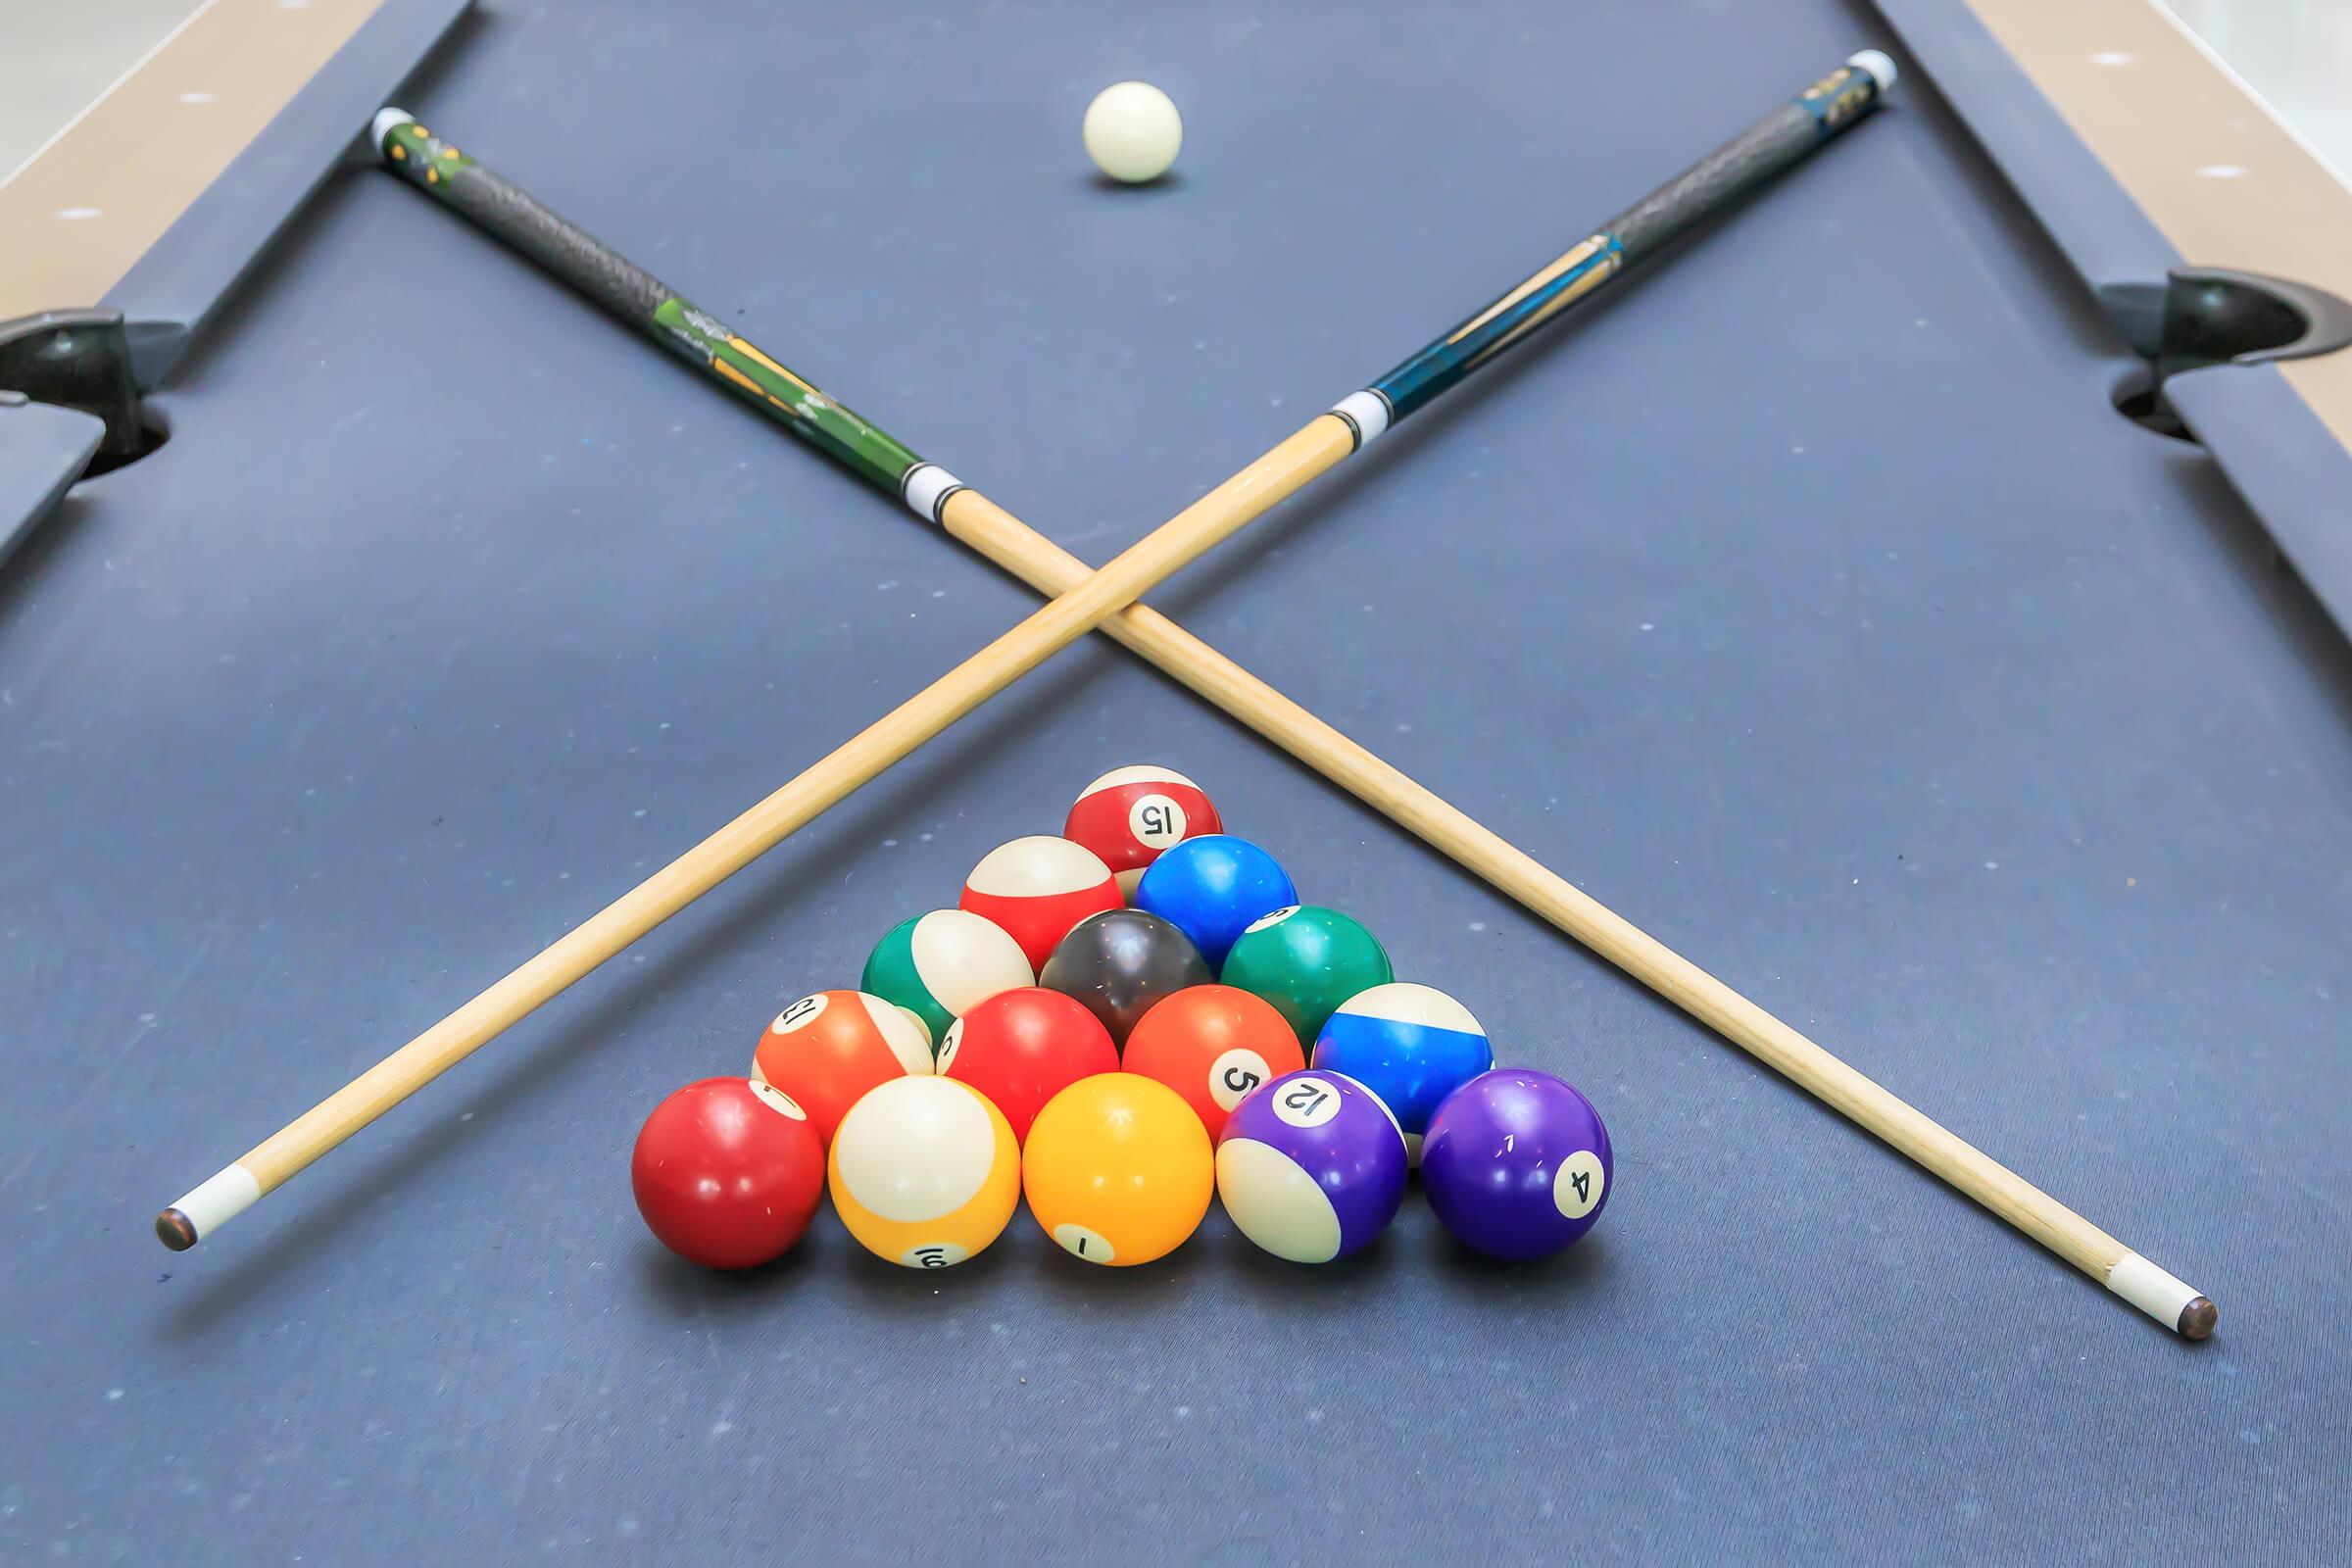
x=2197 y=1320
x=175 y=1230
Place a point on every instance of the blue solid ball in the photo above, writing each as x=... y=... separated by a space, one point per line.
x=1210 y=888
x=1410 y=1044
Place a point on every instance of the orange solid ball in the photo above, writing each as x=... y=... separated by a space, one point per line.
x=1118 y=1169
x=1212 y=1045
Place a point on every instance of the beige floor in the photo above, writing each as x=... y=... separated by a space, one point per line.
x=58 y=56
x=2295 y=54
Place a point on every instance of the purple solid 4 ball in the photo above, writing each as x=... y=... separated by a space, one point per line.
x=1516 y=1164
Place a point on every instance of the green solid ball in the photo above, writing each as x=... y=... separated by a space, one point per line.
x=940 y=966
x=1306 y=960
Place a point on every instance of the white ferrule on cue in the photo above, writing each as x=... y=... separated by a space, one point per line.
x=2162 y=1295
x=218 y=1199
x=1368 y=412
x=926 y=489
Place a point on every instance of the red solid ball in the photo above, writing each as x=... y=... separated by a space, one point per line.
x=1022 y=1047
x=728 y=1172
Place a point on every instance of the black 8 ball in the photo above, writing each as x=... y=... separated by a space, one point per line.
x=1120 y=963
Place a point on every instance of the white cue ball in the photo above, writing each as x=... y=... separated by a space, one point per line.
x=1132 y=131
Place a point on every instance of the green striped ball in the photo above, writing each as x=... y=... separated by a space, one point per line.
x=941 y=966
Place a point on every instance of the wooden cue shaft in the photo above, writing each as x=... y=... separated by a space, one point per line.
x=1004 y=539
x=1317 y=446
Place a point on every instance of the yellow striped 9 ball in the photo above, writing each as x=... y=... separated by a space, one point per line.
x=924 y=1171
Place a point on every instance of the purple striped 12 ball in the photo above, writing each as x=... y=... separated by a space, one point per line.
x=1311 y=1166
x=1516 y=1164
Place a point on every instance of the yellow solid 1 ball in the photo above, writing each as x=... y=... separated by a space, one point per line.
x=924 y=1171
x=1118 y=1169
x=1132 y=131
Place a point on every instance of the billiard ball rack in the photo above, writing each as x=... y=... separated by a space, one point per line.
x=1126 y=1080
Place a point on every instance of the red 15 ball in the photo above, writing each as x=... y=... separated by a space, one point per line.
x=1129 y=814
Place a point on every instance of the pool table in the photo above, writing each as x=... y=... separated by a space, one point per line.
x=1815 y=600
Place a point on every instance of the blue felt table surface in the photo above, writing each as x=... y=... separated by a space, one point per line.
x=1807 y=603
